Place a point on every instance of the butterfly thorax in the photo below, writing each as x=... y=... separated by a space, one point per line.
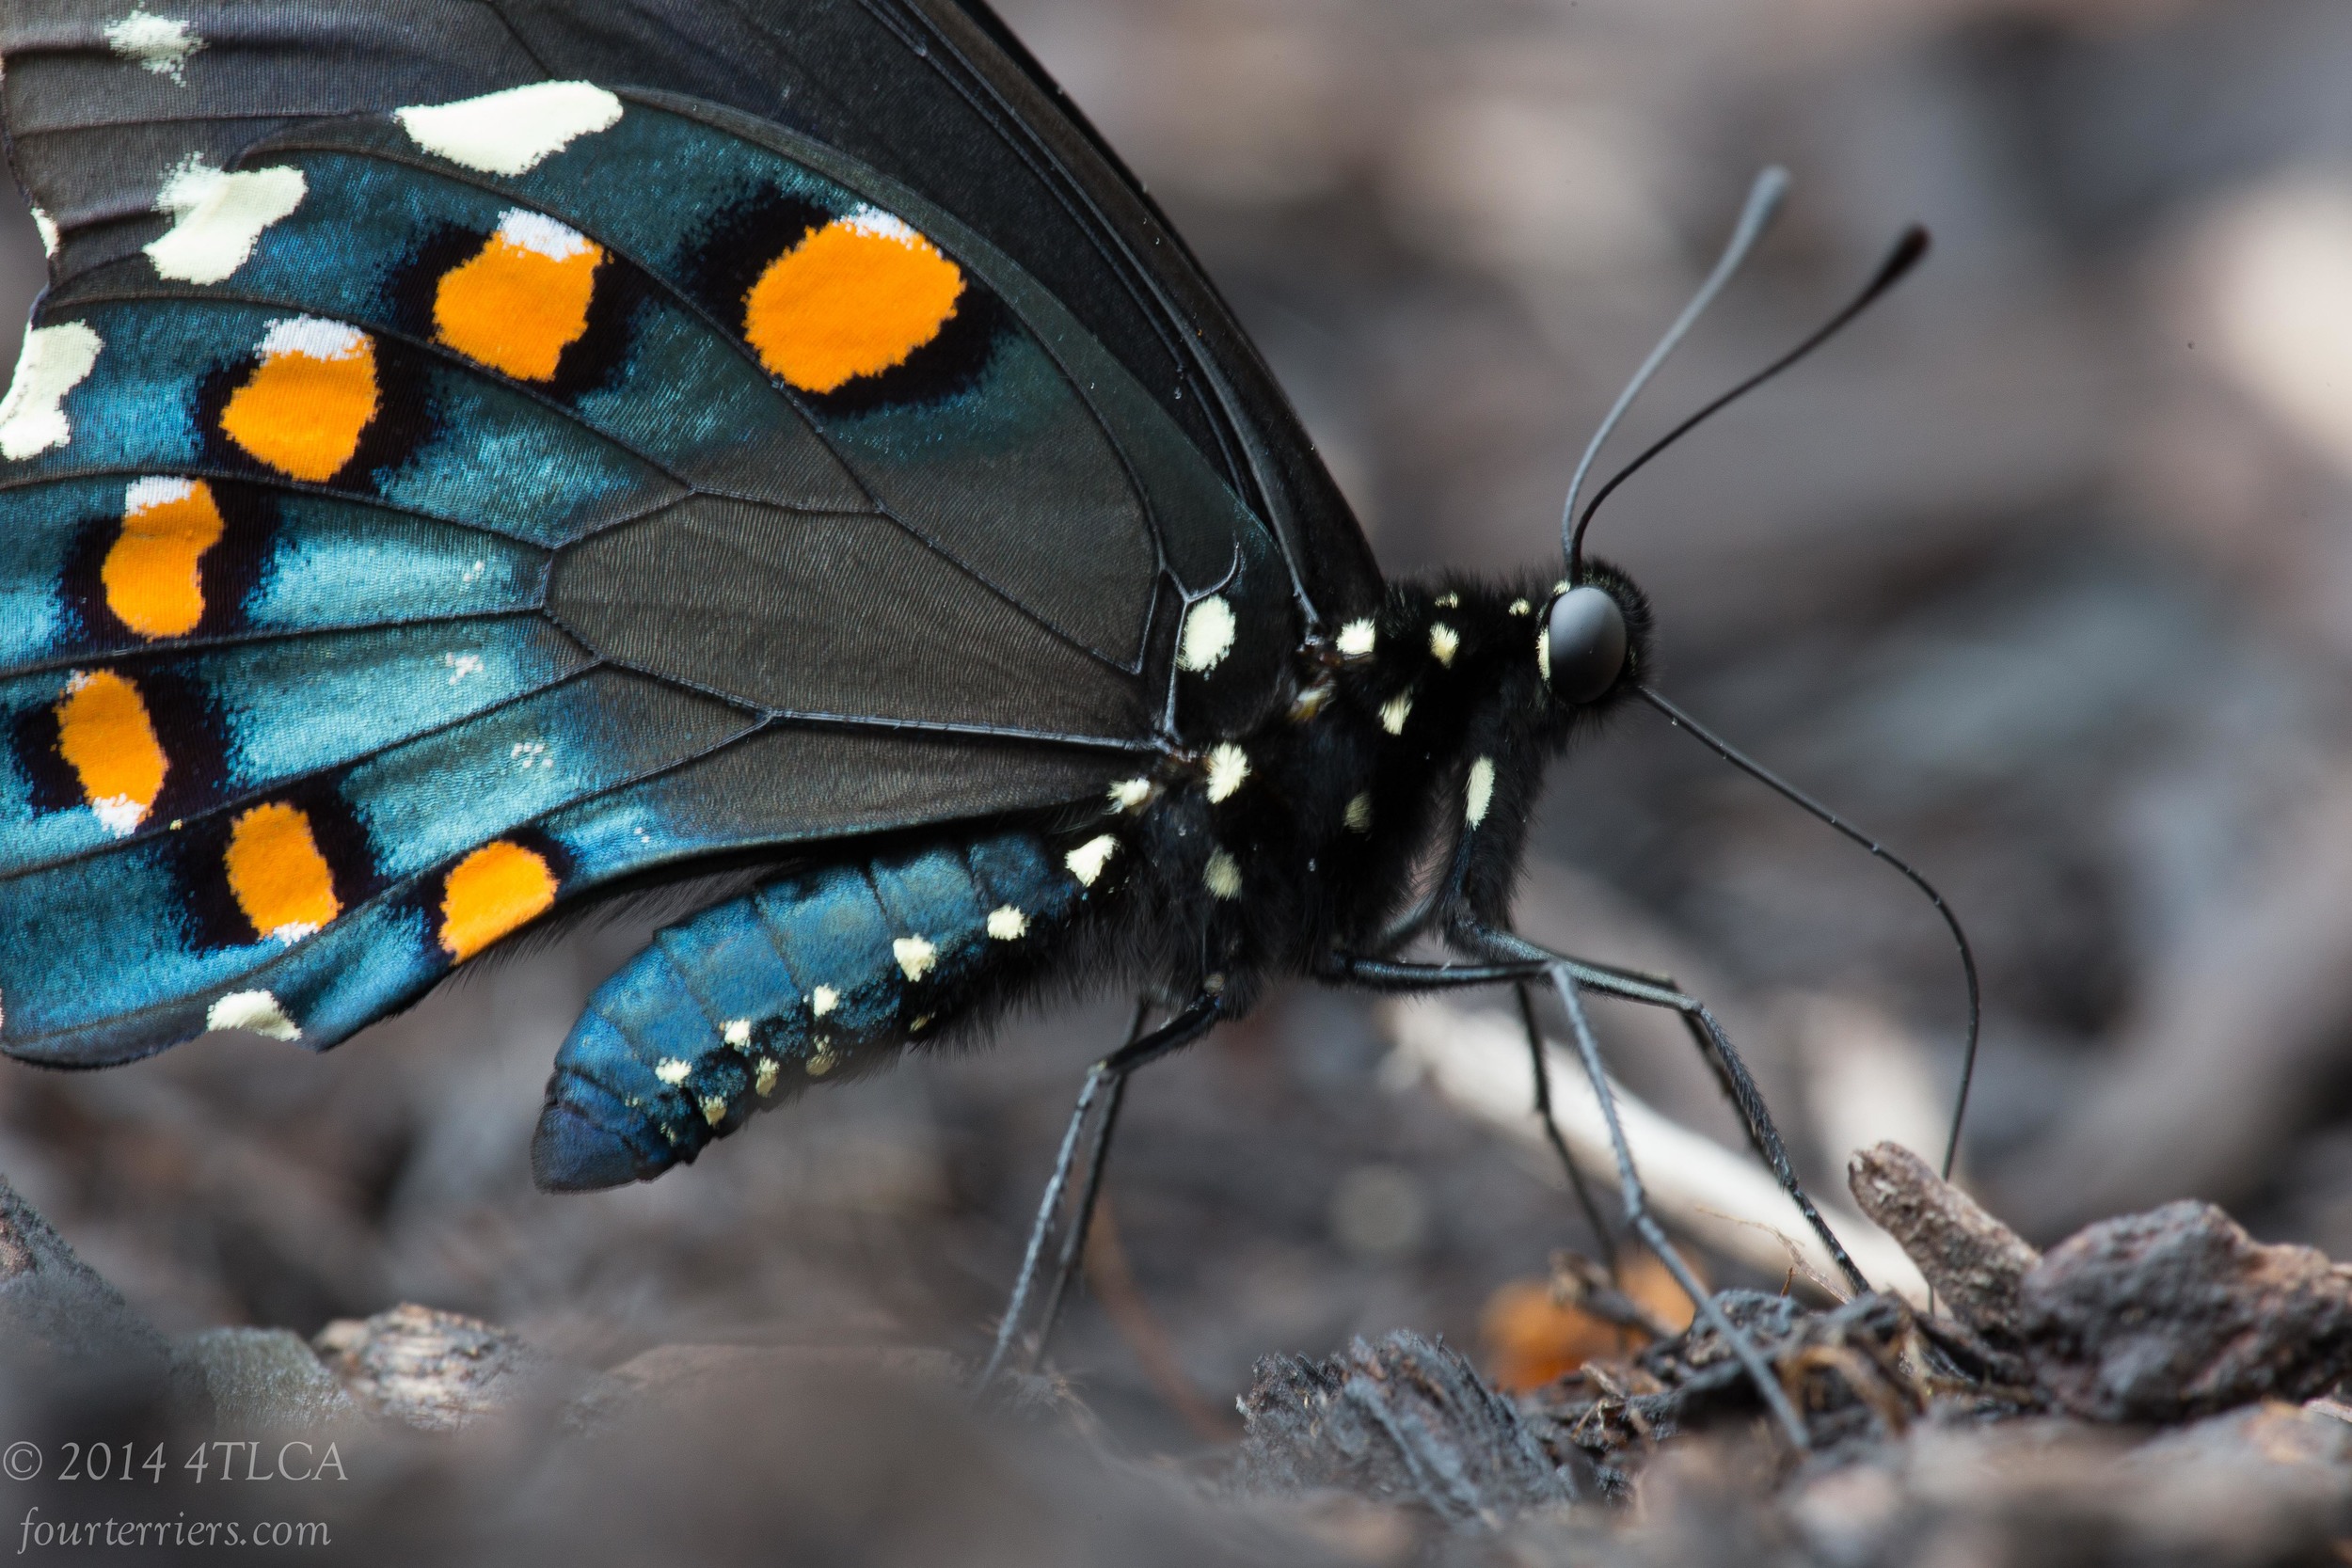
x=1407 y=733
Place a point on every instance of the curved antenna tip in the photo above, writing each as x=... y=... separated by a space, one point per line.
x=1765 y=195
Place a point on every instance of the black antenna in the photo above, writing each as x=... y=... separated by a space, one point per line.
x=1764 y=198
x=1906 y=255
x=1757 y=770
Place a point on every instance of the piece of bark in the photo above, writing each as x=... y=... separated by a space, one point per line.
x=266 y=1379
x=429 y=1369
x=1974 y=1261
x=2179 y=1313
x=55 y=1307
x=1403 y=1421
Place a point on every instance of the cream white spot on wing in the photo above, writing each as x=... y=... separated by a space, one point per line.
x=671 y=1070
x=1228 y=769
x=1222 y=875
x=1208 y=635
x=1356 y=639
x=1087 y=861
x=823 y=1061
x=219 y=218
x=313 y=337
x=764 y=1084
x=1444 y=642
x=54 y=360
x=1395 y=711
x=1480 y=792
x=47 y=227
x=881 y=225
x=737 y=1032
x=541 y=234
x=914 y=956
x=513 y=131
x=1008 y=924
x=1131 y=794
x=823 y=1000
x=714 y=1109
x=119 y=814
x=1358 y=817
x=160 y=43
x=255 y=1010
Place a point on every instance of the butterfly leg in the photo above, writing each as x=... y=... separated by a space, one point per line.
x=1562 y=973
x=1552 y=1129
x=1715 y=1047
x=1110 y=1075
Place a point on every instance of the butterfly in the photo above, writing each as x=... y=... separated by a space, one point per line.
x=477 y=456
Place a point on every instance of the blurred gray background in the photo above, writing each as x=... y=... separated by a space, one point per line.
x=2044 y=573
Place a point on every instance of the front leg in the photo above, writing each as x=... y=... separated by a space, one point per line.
x=1392 y=975
x=1512 y=958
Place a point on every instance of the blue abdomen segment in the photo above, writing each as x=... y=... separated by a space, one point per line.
x=817 y=975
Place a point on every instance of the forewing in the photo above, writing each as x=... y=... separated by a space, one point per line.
x=935 y=93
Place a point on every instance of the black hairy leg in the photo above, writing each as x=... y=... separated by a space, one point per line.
x=1514 y=960
x=1108 y=1076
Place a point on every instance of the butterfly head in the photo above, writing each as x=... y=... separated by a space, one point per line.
x=1593 y=638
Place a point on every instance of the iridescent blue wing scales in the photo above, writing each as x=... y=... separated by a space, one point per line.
x=420 y=536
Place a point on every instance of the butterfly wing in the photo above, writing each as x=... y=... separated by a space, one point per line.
x=937 y=92
x=452 y=512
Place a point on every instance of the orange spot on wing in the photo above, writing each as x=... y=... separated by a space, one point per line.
x=280 y=880
x=105 y=735
x=305 y=406
x=153 y=575
x=496 y=889
x=854 y=298
x=523 y=300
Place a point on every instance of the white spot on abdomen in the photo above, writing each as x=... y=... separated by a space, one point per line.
x=256 y=1011
x=823 y=1000
x=915 y=955
x=738 y=1033
x=220 y=218
x=161 y=43
x=1130 y=794
x=1395 y=711
x=513 y=131
x=1443 y=642
x=1358 y=818
x=1008 y=924
x=1356 y=639
x=1228 y=769
x=1222 y=875
x=54 y=360
x=671 y=1070
x=1087 y=861
x=1480 y=792
x=1208 y=635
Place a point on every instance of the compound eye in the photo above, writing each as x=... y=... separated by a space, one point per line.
x=1583 y=645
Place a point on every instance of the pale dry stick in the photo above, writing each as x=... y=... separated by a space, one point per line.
x=1727 y=1200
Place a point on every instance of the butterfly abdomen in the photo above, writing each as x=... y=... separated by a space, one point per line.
x=811 y=977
